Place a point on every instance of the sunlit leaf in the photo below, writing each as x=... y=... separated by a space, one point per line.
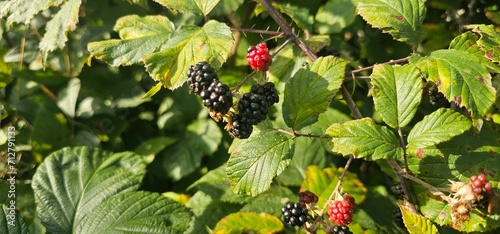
x=187 y=46
x=401 y=18
x=244 y=222
x=417 y=224
x=254 y=164
x=364 y=139
x=462 y=78
x=309 y=92
x=140 y=37
x=437 y=127
x=190 y=6
x=334 y=16
x=397 y=91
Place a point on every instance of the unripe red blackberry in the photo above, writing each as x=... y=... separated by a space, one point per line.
x=200 y=76
x=258 y=57
x=480 y=184
x=340 y=212
x=252 y=108
x=239 y=128
x=217 y=97
x=268 y=91
x=294 y=214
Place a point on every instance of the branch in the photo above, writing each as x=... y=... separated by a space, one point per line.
x=341 y=177
x=258 y=31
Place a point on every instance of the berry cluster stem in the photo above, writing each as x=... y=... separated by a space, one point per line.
x=337 y=186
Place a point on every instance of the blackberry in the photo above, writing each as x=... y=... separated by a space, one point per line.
x=437 y=98
x=268 y=91
x=217 y=97
x=397 y=189
x=258 y=57
x=397 y=216
x=200 y=76
x=239 y=128
x=480 y=184
x=307 y=197
x=294 y=214
x=252 y=108
x=340 y=230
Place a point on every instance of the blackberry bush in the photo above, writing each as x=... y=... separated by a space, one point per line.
x=217 y=97
x=258 y=57
x=253 y=108
x=200 y=76
x=294 y=214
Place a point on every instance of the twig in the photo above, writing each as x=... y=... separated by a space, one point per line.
x=348 y=75
x=341 y=177
x=242 y=82
x=400 y=174
x=427 y=185
x=258 y=31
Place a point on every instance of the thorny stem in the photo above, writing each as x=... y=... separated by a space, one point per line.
x=348 y=75
x=258 y=31
x=341 y=177
x=403 y=145
x=297 y=134
x=426 y=185
x=400 y=174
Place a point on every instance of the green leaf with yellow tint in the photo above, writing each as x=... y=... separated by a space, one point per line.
x=417 y=224
x=249 y=222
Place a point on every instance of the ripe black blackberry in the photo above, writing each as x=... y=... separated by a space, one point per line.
x=397 y=216
x=437 y=98
x=217 y=97
x=294 y=214
x=253 y=108
x=239 y=128
x=397 y=189
x=200 y=76
x=268 y=91
x=340 y=230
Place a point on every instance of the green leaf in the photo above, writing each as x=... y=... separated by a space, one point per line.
x=468 y=42
x=245 y=222
x=64 y=21
x=462 y=78
x=20 y=11
x=401 y=18
x=252 y=165
x=10 y=220
x=299 y=15
x=417 y=224
x=397 y=91
x=364 y=139
x=309 y=92
x=50 y=131
x=140 y=37
x=67 y=97
x=136 y=212
x=187 y=46
x=71 y=182
x=437 y=127
x=201 y=138
x=190 y=6
x=152 y=146
x=271 y=201
x=334 y=16
x=489 y=41
x=5 y=70
x=323 y=181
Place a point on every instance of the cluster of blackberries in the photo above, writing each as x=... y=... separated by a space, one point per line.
x=340 y=230
x=294 y=214
x=252 y=109
x=203 y=81
x=218 y=98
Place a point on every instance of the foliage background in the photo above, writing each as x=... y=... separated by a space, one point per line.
x=57 y=95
